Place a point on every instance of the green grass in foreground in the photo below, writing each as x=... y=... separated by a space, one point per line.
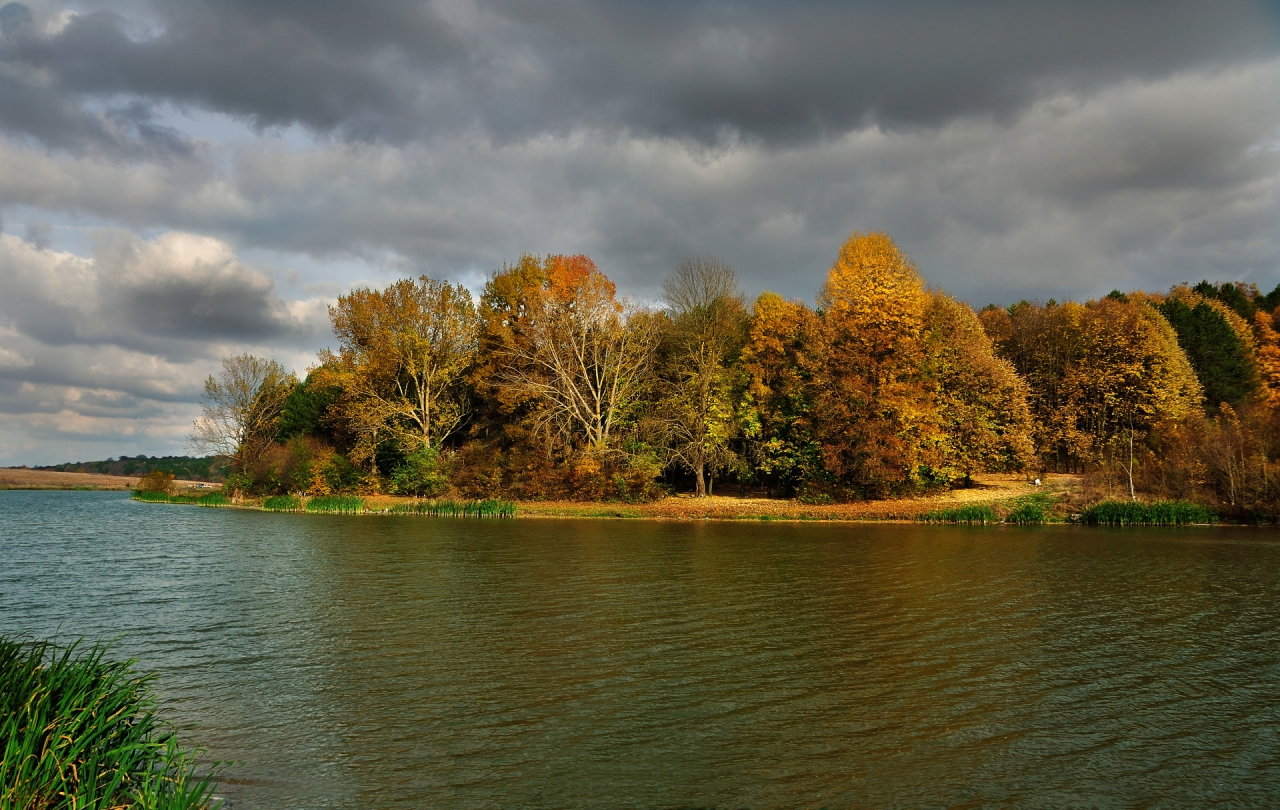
x=336 y=504
x=1031 y=509
x=450 y=508
x=1156 y=513
x=978 y=514
x=79 y=731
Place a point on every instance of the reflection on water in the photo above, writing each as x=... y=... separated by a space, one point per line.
x=371 y=662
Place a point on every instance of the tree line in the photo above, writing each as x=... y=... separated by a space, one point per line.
x=552 y=386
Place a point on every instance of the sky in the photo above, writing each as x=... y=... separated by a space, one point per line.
x=184 y=181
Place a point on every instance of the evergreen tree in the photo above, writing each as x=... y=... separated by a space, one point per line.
x=1220 y=356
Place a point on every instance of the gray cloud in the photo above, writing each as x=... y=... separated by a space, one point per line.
x=704 y=71
x=171 y=296
x=1142 y=183
x=119 y=343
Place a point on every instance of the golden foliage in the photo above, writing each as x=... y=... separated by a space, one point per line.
x=563 y=351
x=982 y=403
x=1268 y=354
x=401 y=363
x=873 y=413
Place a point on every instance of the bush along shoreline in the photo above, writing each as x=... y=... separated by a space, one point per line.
x=79 y=730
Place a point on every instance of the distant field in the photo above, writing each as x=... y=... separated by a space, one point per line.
x=11 y=478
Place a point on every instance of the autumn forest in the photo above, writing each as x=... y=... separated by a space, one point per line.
x=552 y=386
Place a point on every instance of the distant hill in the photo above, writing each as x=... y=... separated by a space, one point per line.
x=188 y=468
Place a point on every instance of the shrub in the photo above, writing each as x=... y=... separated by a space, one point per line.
x=80 y=731
x=156 y=481
x=1156 y=513
x=423 y=473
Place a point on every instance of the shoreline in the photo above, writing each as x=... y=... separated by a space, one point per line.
x=998 y=494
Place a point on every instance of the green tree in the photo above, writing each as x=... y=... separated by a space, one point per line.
x=1220 y=354
x=306 y=411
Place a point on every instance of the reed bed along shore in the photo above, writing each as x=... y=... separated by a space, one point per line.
x=81 y=731
x=1156 y=513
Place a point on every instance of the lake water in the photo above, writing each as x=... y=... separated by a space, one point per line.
x=398 y=662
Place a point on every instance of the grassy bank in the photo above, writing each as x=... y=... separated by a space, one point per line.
x=80 y=731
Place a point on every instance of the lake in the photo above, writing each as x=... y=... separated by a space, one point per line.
x=400 y=662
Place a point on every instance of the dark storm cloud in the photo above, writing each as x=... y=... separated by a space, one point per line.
x=703 y=71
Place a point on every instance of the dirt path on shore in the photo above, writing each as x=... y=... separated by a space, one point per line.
x=19 y=478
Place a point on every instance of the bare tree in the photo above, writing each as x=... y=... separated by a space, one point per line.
x=241 y=407
x=581 y=355
x=699 y=284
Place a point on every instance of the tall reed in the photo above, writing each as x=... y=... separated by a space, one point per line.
x=490 y=508
x=1156 y=513
x=282 y=503
x=79 y=731
x=337 y=504
x=981 y=514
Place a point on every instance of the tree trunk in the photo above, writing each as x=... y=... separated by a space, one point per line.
x=698 y=476
x=1132 y=495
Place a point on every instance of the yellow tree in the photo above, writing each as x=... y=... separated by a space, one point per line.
x=1043 y=342
x=1131 y=374
x=403 y=355
x=777 y=359
x=982 y=403
x=1268 y=354
x=873 y=414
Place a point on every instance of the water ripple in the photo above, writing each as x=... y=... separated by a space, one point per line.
x=396 y=663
